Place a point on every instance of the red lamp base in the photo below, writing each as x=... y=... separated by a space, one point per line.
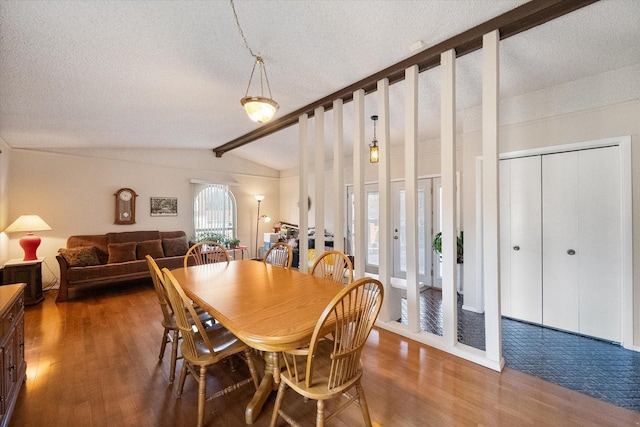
x=30 y=244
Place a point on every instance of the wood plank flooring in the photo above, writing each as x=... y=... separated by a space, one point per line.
x=93 y=361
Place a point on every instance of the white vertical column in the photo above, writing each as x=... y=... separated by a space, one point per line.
x=358 y=183
x=449 y=210
x=391 y=308
x=303 y=192
x=411 y=195
x=338 y=201
x=490 y=195
x=318 y=115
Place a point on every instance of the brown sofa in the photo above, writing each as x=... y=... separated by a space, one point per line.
x=117 y=257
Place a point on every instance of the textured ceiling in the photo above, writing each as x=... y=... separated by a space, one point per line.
x=145 y=74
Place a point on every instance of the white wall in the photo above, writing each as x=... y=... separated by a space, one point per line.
x=5 y=156
x=74 y=193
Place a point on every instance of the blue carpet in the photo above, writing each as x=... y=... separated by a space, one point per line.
x=590 y=366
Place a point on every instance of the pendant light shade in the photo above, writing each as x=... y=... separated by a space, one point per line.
x=260 y=109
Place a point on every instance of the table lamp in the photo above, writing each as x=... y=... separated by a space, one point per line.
x=29 y=243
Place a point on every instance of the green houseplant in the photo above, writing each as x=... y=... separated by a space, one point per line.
x=437 y=246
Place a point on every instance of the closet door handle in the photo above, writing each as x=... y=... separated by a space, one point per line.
x=516 y=248
x=571 y=252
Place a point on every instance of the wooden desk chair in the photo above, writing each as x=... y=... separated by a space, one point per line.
x=203 y=347
x=206 y=253
x=280 y=255
x=171 y=331
x=328 y=368
x=335 y=266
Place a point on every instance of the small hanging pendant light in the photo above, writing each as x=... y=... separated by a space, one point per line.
x=259 y=108
x=374 y=153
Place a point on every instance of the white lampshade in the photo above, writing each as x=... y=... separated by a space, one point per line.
x=259 y=197
x=259 y=109
x=27 y=223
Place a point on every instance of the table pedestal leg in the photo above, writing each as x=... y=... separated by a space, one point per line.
x=267 y=385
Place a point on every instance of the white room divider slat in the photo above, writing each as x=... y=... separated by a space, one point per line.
x=318 y=162
x=338 y=177
x=448 y=177
x=411 y=196
x=490 y=205
x=303 y=193
x=391 y=307
x=358 y=183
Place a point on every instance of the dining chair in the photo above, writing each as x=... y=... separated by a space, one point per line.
x=207 y=252
x=202 y=347
x=328 y=368
x=171 y=332
x=280 y=255
x=335 y=266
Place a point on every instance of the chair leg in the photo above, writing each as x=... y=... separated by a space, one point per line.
x=163 y=345
x=276 y=406
x=202 y=384
x=183 y=377
x=252 y=368
x=320 y=414
x=363 y=405
x=174 y=357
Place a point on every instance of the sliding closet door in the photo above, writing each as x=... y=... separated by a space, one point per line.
x=520 y=239
x=600 y=243
x=581 y=262
x=561 y=252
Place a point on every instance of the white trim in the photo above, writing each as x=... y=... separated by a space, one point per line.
x=228 y=184
x=458 y=349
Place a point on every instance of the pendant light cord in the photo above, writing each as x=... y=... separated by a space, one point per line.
x=246 y=44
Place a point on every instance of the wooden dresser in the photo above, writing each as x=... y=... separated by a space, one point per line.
x=13 y=366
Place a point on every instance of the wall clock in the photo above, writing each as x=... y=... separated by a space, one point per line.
x=125 y=206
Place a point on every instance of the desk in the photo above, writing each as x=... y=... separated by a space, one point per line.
x=269 y=308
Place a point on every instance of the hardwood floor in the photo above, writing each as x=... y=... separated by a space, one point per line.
x=93 y=361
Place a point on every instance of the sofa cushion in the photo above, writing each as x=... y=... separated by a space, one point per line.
x=80 y=256
x=176 y=246
x=150 y=247
x=121 y=252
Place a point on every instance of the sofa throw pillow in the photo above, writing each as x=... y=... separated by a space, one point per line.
x=121 y=252
x=176 y=246
x=80 y=256
x=150 y=247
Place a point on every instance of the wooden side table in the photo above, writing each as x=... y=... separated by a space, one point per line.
x=27 y=272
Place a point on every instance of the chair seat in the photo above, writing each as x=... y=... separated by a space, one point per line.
x=319 y=389
x=224 y=344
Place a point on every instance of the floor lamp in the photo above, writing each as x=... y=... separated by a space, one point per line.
x=259 y=198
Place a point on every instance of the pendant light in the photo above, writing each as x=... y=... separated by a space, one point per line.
x=374 y=152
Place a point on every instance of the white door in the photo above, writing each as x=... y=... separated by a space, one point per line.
x=520 y=239
x=582 y=241
x=561 y=211
x=425 y=231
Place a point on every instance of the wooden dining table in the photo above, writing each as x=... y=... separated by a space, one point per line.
x=269 y=308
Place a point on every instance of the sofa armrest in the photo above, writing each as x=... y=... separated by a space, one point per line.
x=63 y=291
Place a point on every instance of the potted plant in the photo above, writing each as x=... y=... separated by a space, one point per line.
x=231 y=242
x=437 y=246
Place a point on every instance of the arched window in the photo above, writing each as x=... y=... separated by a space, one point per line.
x=214 y=210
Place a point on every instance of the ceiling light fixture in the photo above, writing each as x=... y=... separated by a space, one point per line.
x=260 y=109
x=374 y=152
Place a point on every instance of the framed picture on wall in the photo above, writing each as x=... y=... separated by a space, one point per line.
x=164 y=206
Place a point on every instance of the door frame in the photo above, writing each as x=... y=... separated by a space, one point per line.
x=626 y=217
